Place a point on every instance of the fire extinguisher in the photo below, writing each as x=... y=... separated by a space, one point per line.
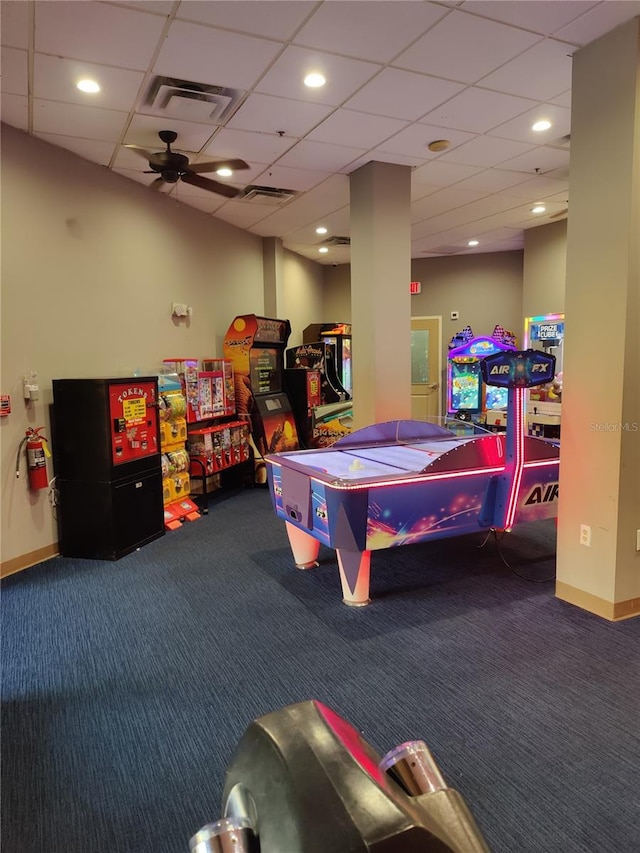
x=37 y=452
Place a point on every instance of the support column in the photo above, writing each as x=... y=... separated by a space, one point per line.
x=380 y=297
x=272 y=265
x=600 y=447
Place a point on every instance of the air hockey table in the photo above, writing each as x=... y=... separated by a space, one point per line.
x=403 y=482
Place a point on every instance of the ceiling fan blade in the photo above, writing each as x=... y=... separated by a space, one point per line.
x=157 y=184
x=208 y=184
x=154 y=158
x=234 y=165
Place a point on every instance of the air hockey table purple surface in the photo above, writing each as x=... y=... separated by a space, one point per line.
x=399 y=483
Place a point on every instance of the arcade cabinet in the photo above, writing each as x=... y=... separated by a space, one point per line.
x=338 y=334
x=468 y=397
x=544 y=404
x=303 y=780
x=325 y=417
x=255 y=346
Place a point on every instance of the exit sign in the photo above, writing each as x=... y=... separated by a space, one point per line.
x=415 y=287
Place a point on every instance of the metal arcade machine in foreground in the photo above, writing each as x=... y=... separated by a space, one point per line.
x=403 y=482
x=303 y=780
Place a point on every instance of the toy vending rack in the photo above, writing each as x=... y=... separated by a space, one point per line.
x=215 y=448
x=176 y=485
x=207 y=387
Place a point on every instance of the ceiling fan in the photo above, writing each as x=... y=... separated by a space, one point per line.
x=172 y=167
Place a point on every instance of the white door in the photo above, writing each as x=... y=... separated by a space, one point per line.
x=425 y=367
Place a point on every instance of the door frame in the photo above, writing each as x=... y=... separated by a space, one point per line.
x=441 y=384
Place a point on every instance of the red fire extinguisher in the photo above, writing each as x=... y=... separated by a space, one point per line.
x=37 y=452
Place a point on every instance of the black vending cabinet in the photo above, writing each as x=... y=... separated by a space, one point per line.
x=107 y=464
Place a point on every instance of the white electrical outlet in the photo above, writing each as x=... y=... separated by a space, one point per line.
x=179 y=309
x=585 y=535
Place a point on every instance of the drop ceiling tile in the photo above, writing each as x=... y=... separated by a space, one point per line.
x=563 y=100
x=539 y=16
x=603 y=18
x=319 y=155
x=520 y=128
x=192 y=137
x=542 y=158
x=88 y=149
x=485 y=151
x=344 y=76
x=290 y=179
x=14 y=25
x=55 y=80
x=541 y=73
x=275 y=19
x=382 y=157
x=72 y=120
x=477 y=110
x=268 y=114
x=196 y=197
x=242 y=214
x=15 y=110
x=97 y=32
x=212 y=57
x=538 y=188
x=414 y=140
x=439 y=173
x=368 y=30
x=161 y=7
x=335 y=223
x=402 y=94
x=441 y=202
x=360 y=129
x=14 y=75
x=253 y=147
x=493 y=180
x=465 y=48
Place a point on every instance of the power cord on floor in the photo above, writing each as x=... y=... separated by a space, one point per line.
x=498 y=536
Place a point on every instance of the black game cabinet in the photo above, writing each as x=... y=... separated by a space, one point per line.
x=107 y=463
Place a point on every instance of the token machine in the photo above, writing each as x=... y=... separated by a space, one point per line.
x=106 y=454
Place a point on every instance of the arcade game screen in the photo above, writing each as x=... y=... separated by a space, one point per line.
x=496 y=398
x=265 y=366
x=466 y=386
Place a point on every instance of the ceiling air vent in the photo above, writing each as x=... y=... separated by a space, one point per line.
x=562 y=142
x=337 y=241
x=182 y=99
x=265 y=195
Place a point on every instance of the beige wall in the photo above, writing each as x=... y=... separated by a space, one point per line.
x=91 y=262
x=302 y=292
x=545 y=267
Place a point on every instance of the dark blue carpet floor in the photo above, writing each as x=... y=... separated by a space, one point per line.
x=127 y=685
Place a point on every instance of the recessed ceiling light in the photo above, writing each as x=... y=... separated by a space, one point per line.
x=439 y=145
x=224 y=172
x=473 y=243
x=315 y=80
x=321 y=230
x=323 y=250
x=89 y=86
x=543 y=124
x=538 y=208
